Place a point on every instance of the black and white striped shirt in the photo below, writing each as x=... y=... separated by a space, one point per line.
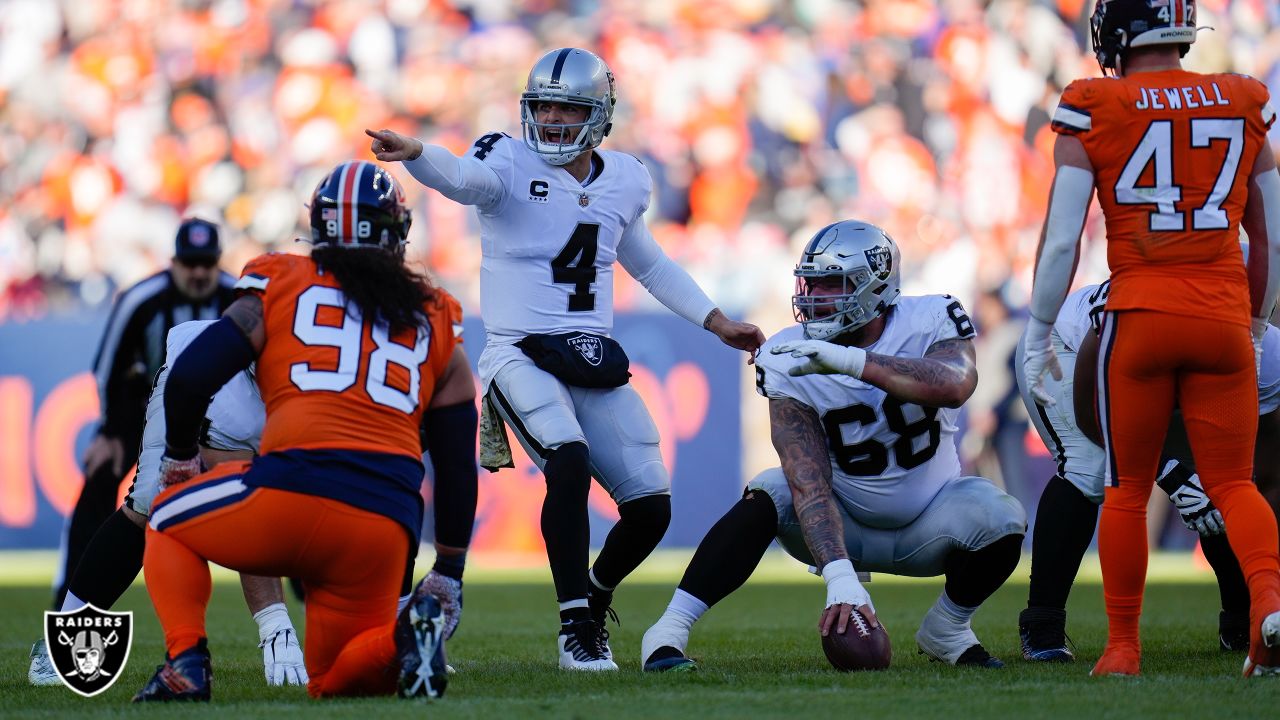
x=133 y=346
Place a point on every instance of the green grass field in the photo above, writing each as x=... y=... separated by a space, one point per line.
x=759 y=649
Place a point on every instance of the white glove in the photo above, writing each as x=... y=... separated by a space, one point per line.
x=1258 y=328
x=1040 y=359
x=824 y=358
x=175 y=472
x=1188 y=496
x=282 y=662
x=843 y=587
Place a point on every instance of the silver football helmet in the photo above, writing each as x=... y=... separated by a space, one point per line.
x=864 y=261
x=568 y=75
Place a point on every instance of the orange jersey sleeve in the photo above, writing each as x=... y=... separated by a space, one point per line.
x=332 y=380
x=1171 y=153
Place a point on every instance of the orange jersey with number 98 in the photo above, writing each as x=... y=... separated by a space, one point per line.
x=1172 y=153
x=334 y=380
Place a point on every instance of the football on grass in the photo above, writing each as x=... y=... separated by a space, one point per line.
x=861 y=647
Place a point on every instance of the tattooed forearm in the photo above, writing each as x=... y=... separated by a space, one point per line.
x=802 y=447
x=945 y=377
x=246 y=313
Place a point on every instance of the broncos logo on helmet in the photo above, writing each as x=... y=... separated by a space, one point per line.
x=359 y=204
x=1118 y=25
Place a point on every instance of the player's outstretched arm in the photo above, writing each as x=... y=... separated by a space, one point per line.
x=643 y=259
x=945 y=377
x=802 y=448
x=467 y=180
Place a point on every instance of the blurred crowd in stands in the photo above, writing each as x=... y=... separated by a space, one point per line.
x=760 y=121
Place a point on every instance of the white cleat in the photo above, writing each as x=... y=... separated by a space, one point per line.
x=583 y=648
x=952 y=643
x=1271 y=639
x=41 y=673
x=664 y=633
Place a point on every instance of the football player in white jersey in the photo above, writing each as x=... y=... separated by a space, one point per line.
x=863 y=397
x=234 y=428
x=555 y=213
x=1068 y=510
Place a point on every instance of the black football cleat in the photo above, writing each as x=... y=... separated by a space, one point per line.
x=600 y=603
x=188 y=677
x=977 y=656
x=419 y=637
x=1233 y=631
x=1042 y=632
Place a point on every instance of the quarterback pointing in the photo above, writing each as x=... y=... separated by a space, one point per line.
x=863 y=398
x=555 y=214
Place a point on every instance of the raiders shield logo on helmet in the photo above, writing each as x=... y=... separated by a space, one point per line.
x=880 y=260
x=89 y=647
x=589 y=347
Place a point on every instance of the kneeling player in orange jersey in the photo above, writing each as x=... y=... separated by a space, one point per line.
x=351 y=347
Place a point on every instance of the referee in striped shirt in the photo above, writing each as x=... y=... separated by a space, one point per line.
x=129 y=356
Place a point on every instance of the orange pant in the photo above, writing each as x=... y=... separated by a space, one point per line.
x=1147 y=361
x=350 y=561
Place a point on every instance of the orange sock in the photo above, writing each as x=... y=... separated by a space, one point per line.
x=366 y=666
x=1122 y=551
x=179 y=584
x=1242 y=506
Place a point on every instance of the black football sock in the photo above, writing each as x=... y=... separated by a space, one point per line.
x=972 y=575
x=1231 y=585
x=406 y=582
x=110 y=562
x=96 y=503
x=732 y=549
x=642 y=523
x=566 y=525
x=1065 y=521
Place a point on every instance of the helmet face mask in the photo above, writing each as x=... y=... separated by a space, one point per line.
x=359 y=205
x=1118 y=25
x=574 y=77
x=848 y=276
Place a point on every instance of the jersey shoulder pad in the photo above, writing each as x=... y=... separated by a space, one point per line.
x=452 y=309
x=772 y=378
x=1082 y=98
x=941 y=316
x=491 y=148
x=1259 y=99
x=181 y=335
x=258 y=272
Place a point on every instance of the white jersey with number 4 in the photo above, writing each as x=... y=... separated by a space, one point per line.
x=549 y=244
x=888 y=458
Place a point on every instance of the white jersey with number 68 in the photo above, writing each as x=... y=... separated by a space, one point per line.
x=888 y=458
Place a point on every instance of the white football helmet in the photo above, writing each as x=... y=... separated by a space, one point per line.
x=865 y=260
x=568 y=75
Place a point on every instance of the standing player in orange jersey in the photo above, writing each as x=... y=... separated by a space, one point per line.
x=352 y=347
x=1179 y=160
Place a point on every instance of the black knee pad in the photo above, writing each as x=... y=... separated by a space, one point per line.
x=569 y=462
x=650 y=511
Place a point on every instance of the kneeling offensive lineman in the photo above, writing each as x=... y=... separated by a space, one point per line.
x=863 y=398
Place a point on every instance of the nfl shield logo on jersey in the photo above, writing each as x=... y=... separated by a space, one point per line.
x=88 y=647
x=880 y=260
x=589 y=347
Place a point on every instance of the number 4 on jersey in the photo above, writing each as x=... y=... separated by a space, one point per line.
x=582 y=248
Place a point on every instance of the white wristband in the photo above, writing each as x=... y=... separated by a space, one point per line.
x=837 y=569
x=855 y=360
